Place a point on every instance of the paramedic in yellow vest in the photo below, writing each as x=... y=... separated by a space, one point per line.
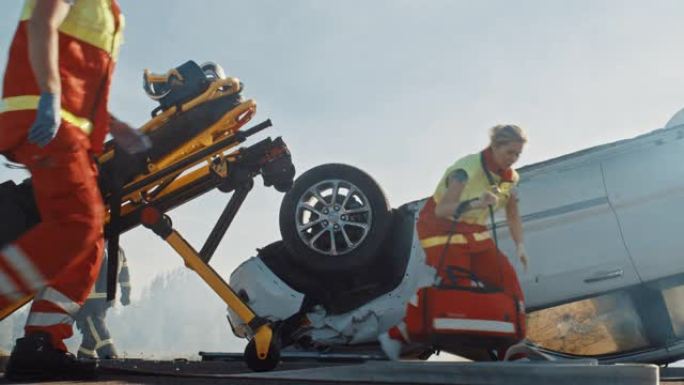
x=460 y=205
x=53 y=119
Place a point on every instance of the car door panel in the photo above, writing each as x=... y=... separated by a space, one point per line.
x=571 y=235
x=645 y=185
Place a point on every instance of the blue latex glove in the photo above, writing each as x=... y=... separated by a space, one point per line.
x=44 y=129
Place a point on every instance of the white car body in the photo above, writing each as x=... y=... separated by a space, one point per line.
x=604 y=234
x=273 y=299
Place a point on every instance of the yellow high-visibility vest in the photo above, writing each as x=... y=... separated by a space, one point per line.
x=476 y=185
x=91 y=21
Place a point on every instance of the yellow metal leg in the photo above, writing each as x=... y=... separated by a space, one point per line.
x=264 y=334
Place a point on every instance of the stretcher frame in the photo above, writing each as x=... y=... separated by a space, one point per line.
x=206 y=162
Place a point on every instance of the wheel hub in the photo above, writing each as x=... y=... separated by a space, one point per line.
x=333 y=217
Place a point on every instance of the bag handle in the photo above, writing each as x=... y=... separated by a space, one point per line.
x=493 y=184
x=453 y=273
x=497 y=186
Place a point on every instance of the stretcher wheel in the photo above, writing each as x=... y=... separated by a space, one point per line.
x=258 y=365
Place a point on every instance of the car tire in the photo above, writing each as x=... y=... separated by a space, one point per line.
x=334 y=219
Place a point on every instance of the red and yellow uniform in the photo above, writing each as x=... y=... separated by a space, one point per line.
x=58 y=259
x=471 y=246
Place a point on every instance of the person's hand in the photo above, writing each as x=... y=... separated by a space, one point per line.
x=522 y=255
x=125 y=295
x=125 y=300
x=487 y=199
x=128 y=138
x=48 y=119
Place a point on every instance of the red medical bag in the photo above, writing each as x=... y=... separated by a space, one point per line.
x=462 y=310
x=475 y=315
x=472 y=313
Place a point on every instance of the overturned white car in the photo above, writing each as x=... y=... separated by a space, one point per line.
x=602 y=226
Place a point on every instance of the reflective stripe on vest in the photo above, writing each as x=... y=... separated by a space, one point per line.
x=30 y=102
x=91 y=21
x=456 y=239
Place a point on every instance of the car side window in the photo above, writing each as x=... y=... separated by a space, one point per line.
x=672 y=290
x=600 y=325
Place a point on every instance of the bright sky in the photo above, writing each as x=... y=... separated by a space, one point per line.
x=399 y=88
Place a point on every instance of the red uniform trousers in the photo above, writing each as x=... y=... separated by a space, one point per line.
x=58 y=259
x=470 y=249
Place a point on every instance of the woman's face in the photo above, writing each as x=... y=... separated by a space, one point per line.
x=505 y=155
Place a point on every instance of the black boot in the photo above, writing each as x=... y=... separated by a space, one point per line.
x=34 y=358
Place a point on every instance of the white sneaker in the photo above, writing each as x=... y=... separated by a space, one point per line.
x=390 y=346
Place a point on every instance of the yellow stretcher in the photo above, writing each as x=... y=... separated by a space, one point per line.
x=194 y=135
